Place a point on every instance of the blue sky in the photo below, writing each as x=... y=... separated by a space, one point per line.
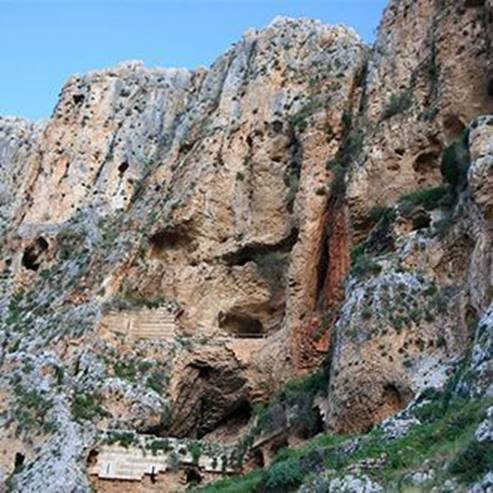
x=43 y=42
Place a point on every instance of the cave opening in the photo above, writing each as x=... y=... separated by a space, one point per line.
x=426 y=162
x=393 y=398
x=168 y=239
x=78 y=98
x=31 y=256
x=258 y=458
x=257 y=252
x=241 y=325
x=92 y=457
x=193 y=476
x=19 y=460
x=421 y=220
x=238 y=417
x=123 y=167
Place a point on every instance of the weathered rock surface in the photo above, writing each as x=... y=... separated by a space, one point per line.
x=176 y=244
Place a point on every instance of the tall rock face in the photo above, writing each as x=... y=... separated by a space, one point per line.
x=200 y=194
x=417 y=292
x=177 y=244
x=429 y=74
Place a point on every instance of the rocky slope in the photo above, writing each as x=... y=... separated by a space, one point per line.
x=177 y=245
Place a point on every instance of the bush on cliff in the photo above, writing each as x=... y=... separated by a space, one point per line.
x=456 y=160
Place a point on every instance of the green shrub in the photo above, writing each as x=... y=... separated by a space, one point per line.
x=31 y=408
x=299 y=119
x=378 y=212
x=430 y=199
x=365 y=266
x=353 y=146
x=195 y=449
x=358 y=250
x=473 y=462
x=126 y=371
x=284 y=476
x=157 y=380
x=160 y=445
x=398 y=103
x=123 y=438
x=456 y=160
x=86 y=407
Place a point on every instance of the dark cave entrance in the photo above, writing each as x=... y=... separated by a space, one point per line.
x=123 y=167
x=19 y=461
x=31 y=258
x=241 y=325
x=258 y=458
x=169 y=239
x=192 y=476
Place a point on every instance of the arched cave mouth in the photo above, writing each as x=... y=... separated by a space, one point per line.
x=394 y=397
x=241 y=325
x=421 y=220
x=427 y=163
x=32 y=256
x=168 y=239
x=236 y=419
x=193 y=476
x=92 y=457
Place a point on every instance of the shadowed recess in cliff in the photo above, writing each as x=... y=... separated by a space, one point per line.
x=257 y=251
x=33 y=254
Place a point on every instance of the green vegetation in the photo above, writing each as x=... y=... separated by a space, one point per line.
x=473 y=462
x=123 y=438
x=159 y=445
x=31 y=407
x=430 y=199
x=445 y=437
x=86 y=407
x=70 y=243
x=15 y=311
x=195 y=449
x=298 y=396
x=398 y=103
x=131 y=300
x=299 y=119
x=456 y=161
x=125 y=370
x=157 y=381
x=365 y=266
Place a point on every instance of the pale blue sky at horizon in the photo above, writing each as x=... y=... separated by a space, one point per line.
x=44 y=42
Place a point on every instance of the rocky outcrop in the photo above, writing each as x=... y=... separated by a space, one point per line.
x=177 y=244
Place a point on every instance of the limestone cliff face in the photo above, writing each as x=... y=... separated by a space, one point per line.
x=428 y=76
x=177 y=244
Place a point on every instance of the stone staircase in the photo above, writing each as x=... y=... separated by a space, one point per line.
x=150 y=324
x=158 y=324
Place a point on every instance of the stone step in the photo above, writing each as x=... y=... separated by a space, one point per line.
x=154 y=324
